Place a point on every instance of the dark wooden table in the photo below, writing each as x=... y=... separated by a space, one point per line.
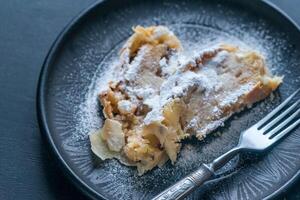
x=27 y=29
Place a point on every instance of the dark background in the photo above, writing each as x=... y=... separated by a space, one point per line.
x=27 y=30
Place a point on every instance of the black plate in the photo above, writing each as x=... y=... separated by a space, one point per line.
x=67 y=108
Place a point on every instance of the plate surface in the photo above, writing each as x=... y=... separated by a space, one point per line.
x=82 y=56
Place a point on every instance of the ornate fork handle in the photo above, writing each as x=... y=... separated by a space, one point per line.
x=186 y=185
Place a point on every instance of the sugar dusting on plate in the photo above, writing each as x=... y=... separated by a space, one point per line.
x=257 y=36
x=89 y=118
x=88 y=115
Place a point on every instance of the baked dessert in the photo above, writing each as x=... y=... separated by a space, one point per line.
x=160 y=98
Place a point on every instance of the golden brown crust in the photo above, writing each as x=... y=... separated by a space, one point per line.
x=153 y=35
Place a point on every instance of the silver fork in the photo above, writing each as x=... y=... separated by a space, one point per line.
x=258 y=137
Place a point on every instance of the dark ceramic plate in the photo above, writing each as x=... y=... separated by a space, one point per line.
x=74 y=68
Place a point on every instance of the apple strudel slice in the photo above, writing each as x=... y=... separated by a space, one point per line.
x=160 y=97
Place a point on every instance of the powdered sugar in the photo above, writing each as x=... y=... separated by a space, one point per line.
x=125 y=106
x=182 y=81
x=161 y=31
x=88 y=111
x=175 y=86
x=155 y=115
x=233 y=97
x=133 y=68
x=172 y=65
x=152 y=102
x=144 y=93
x=218 y=59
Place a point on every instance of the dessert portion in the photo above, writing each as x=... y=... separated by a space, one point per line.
x=161 y=97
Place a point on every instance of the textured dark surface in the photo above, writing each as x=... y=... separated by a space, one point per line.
x=27 y=30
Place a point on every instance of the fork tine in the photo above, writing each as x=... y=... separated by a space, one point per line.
x=274 y=121
x=282 y=124
x=285 y=131
x=271 y=114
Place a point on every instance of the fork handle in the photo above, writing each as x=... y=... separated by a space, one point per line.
x=185 y=186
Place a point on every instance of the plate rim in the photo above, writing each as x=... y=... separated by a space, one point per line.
x=40 y=102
